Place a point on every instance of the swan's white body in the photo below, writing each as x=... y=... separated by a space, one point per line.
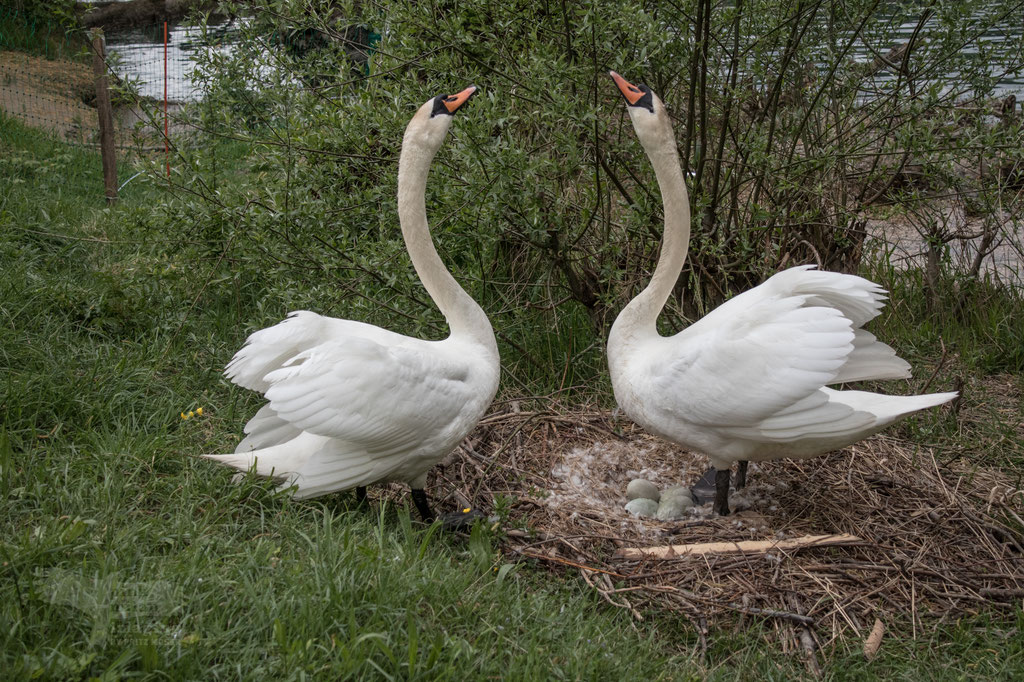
x=351 y=404
x=749 y=381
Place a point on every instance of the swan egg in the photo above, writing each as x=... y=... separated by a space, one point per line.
x=640 y=488
x=642 y=506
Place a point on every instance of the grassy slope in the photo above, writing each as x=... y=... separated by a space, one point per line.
x=122 y=555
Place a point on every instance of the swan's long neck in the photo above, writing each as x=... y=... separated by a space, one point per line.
x=640 y=316
x=465 y=318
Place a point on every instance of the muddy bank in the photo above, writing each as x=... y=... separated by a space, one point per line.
x=50 y=95
x=59 y=97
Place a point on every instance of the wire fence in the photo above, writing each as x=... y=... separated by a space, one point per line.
x=52 y=95
x=48 y=81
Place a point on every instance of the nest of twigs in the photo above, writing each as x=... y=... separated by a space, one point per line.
x=933 y=539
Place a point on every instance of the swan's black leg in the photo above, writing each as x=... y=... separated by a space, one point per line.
x=721 y=506
x=419 y=498
x=741 y=474
x=361 y=495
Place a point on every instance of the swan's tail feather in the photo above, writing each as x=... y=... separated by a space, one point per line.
x=311 y=465
x=249 y=461
x=276 y=461
x=889 y=408
x=838 y=418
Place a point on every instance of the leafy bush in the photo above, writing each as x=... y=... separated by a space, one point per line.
x=542 y=201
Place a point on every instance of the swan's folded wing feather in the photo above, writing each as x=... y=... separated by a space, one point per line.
x=738 y=369
x=384 y=397
x=872 y=360
x=812 y=417
x=271 y=348
x=268 y=349
x=264 y=430
x=856 y=298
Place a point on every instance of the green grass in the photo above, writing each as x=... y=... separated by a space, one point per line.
x=123 y=555
x=40 y=35
x=982 y=331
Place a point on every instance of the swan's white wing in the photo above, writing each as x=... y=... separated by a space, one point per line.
x=872 y=360
x=814 y=417
x=751 y=358
x=386 y=398
x=270 y=348
x=859 y=300
x=264 y=430
x=267 y=349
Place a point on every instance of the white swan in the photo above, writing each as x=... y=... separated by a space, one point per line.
x=351 y=404
x=748 y=380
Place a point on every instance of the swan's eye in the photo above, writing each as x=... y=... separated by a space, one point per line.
x=445 y=104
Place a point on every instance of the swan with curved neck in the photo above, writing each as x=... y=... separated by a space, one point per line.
x=351 y=404
x=748 y=381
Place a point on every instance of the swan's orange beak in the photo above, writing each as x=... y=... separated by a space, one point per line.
x=453 y=102
x=628 y=90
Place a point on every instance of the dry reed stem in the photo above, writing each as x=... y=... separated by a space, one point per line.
x=735 y=547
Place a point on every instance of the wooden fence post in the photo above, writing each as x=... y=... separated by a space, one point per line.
x=106 y=116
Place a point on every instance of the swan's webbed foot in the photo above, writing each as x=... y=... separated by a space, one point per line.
x=741 y=474
x=704 y=489
x=461 y=519
x=455 y=521
x=721 y=506
x=714 y=485
x=361 y=496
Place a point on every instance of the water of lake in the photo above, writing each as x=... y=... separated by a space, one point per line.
x=140 y=57
x=1002 y=33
